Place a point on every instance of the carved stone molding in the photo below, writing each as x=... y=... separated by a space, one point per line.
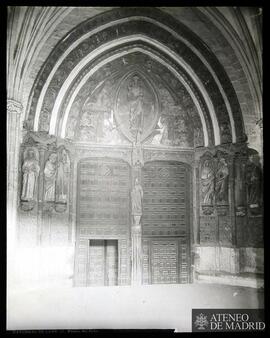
x=14 y=110
x=222 y=210
x=124 y=154
x=14 y=107
x=41 y=138
x=167 y=155
x=124 y=29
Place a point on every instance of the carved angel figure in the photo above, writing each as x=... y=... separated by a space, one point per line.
x=30 y=171
x=109 y=132
x=162 y=132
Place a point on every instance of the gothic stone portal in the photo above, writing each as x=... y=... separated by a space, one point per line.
x=103 y=246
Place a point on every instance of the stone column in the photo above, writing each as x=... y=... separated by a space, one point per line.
x=136 y=228
x=42 y=149
x=136 y=244
x=240 y=186
x=14 y=110
x=231 y=197
x=196 y=203
x=73 y=200
x=259 y=124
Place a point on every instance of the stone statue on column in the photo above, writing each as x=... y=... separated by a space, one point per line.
x=253 y=182
x=63 y=176
x=221 y=186
x=50 y=171
x=30 y=171
x=207 y=183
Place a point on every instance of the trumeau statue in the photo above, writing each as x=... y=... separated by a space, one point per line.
x=221 y=186
x=136 y=199
x=63 y=172
x=207 y=183
x=30 y=171
x=50 y=171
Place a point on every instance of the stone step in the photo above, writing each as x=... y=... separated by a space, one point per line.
x=250 y=281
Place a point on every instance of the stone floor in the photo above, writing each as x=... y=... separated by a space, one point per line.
x=125 y=307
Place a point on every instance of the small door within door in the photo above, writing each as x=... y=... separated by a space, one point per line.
x=102 y=263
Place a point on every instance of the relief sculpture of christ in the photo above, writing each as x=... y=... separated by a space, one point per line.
x=136 y=107
x=135 y=99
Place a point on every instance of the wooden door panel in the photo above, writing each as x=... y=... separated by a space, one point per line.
x=103 y=210
x=166 y=222
x=111 y=262
x=96 y=263
x=102 y=263
x=164 y=261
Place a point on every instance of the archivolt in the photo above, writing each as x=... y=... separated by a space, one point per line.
x=118 y=42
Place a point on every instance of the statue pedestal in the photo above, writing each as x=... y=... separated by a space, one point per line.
x=136 y=259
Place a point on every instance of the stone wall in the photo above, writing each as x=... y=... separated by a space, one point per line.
x=231 y=233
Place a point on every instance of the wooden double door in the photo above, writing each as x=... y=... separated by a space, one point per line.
x=102 y=263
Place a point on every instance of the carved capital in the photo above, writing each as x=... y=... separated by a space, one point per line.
x=207 y=209
x=42 y=147
x=14 y=107
x=60 y=207
x=240 y=211
x=28 y=205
